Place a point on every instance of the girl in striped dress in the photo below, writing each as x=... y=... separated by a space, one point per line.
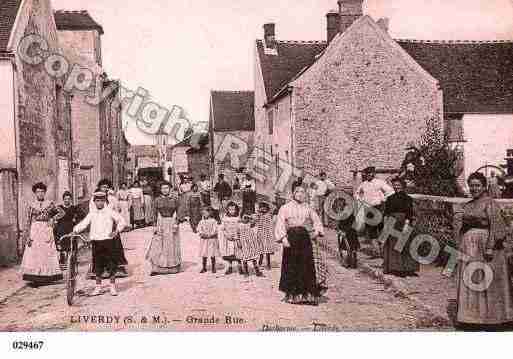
x=229 y=234
x=249 y=247
x=265 y=232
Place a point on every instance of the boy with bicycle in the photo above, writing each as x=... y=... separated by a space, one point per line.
x=105 y=224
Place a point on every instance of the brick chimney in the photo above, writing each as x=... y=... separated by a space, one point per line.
x=384 y=23
x=270 y=35
x=333 y=24
x=350 y=11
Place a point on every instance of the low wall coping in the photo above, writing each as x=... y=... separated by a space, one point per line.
x=454 y=200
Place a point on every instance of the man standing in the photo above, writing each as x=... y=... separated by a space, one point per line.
x=223 y=190
x=372 y=193
x=297 y=183
x=324 y=188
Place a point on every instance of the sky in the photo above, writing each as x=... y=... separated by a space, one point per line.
x=180 y=50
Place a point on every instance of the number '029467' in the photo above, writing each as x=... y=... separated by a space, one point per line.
x=24 y=345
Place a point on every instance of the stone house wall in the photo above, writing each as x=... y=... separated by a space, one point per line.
x=361 y=104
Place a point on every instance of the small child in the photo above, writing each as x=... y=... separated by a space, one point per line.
x=230 y=233
x=102 y=235
x=249 y=247
x=265 y=232
x=209 y=241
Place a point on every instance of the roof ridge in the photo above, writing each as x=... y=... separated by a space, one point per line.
x=302 y=41
x=232 y=91
x=64 y=11
x=455 y=41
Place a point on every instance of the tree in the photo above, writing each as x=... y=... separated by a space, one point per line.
x=437 y=175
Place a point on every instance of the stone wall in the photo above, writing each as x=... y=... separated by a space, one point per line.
x=38 y=112
x=434 y=216
x=8 y=218
x=360 y=104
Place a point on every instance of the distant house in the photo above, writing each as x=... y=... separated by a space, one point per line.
x=231 y=113
x=361 y=97
x=99 y=145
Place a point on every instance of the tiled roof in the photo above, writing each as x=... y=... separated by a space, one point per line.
x=293 y=57
x=233 y=110
x=8 y=12
x=476 y=77
x=76 y=20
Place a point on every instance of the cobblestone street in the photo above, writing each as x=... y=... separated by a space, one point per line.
x=353 y=302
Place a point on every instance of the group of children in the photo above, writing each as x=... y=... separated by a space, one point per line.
x=237 y=238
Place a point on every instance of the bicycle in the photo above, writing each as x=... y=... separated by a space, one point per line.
x=72 y=264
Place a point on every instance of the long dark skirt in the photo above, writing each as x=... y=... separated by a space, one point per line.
x=205 y=198
x=395 y=261
x=248 y=202
x=298 y=268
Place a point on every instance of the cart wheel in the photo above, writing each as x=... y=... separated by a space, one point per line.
x=71 y=274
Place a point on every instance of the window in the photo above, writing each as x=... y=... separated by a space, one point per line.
x=270 y=118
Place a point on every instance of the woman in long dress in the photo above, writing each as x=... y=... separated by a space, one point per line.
x=149 y=216
x=124 y=202
x=165 y=253
x=399 y=206
x=298 y=278
x=248 y=195
x=40 y=264
x=485 y=302
x=194 y=206
x=137 y=198
x=237 y=192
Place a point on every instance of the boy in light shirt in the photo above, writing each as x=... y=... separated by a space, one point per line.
x=105 y=224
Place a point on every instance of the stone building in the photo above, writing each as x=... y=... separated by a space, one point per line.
x=360 y=98
x=51 y=133
x=113 y=142
x=190 y=157
x=35 y=131
x=231 y=114
x=99 y=147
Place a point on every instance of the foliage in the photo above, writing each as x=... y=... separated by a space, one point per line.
x=438 y=167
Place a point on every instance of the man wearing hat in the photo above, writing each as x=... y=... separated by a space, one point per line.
x=372 y=193
x=105 y=225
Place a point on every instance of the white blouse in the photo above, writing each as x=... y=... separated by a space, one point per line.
x=295 y=214
x=136 y=192
x=101 y=222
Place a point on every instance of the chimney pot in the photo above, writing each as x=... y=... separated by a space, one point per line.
x=333 y=24
x=384 y=23
x=350 y=11
x=269 y=34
